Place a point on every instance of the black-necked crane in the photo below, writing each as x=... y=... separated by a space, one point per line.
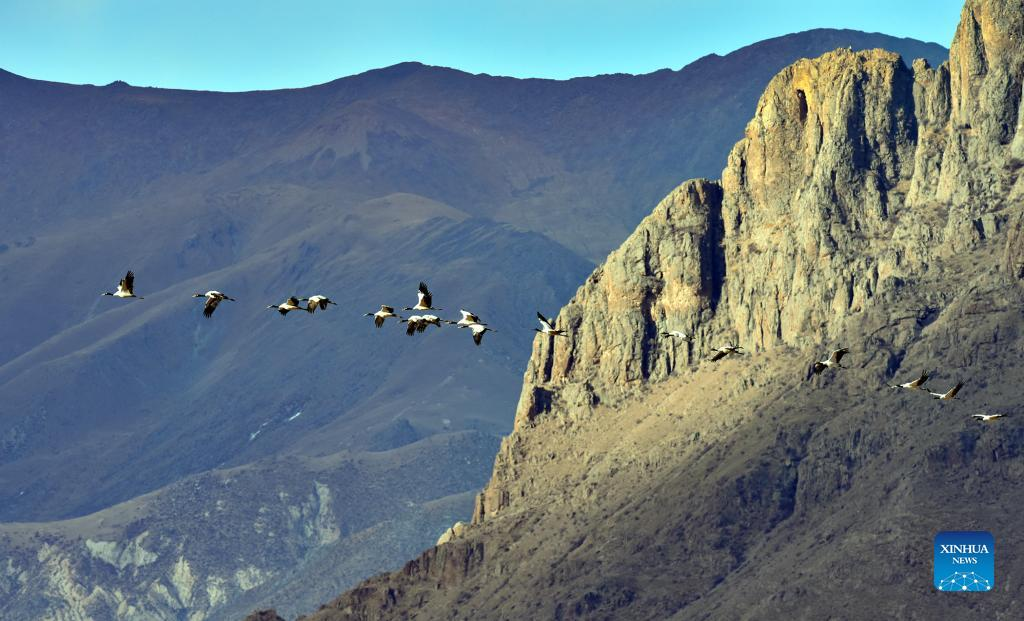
x=468 y=319
x=125 y=288
x=381 y=315
x=213 y=298
x=676 y=334
x=429 y=320
x=727 y=350
x=547 y=326
x=413 y=323
x=289 y=305
x=425 y=299
x=833 y=361
x=950 y=394
x=987 y=418
x=317 y=301
x=917 y=384
x=478 y=330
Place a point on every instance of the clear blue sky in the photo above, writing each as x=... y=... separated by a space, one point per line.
x=259 y=44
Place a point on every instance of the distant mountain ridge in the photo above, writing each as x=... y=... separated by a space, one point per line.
x=501 y=193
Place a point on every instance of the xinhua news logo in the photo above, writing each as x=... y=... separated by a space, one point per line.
x=964 y=561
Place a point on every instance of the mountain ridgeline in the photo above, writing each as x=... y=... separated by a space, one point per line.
x=872 y=203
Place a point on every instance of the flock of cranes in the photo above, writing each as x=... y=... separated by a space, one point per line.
x=419 y=323
x=834 y=362
x=414 y=323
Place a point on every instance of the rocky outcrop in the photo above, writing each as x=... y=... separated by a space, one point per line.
x=457 y=530
x=441 y=567
x=667 y=276
x=810 y=191
x=820 y=223
x=985 y=61
x=838 y=194
x=778 y=253
x=932 y=109
x=869 y=204
x=853 y=179
x=668 y=273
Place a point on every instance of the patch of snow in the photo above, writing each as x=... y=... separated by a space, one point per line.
x=252 y=436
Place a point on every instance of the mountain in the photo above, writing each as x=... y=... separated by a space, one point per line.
x=869 y=205
x=159 y=554
x=155 y=464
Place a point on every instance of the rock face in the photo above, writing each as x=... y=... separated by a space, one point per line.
x=844 y=193
x=457 y=530
x=869 y=204
x=667 y=273
x=817 y=178
x=818 y=225
x=985 y=62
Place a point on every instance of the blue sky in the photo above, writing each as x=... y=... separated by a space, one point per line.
x=256 y=44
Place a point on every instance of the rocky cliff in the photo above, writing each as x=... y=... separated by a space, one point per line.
x=870 y=204
x=853 y=194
